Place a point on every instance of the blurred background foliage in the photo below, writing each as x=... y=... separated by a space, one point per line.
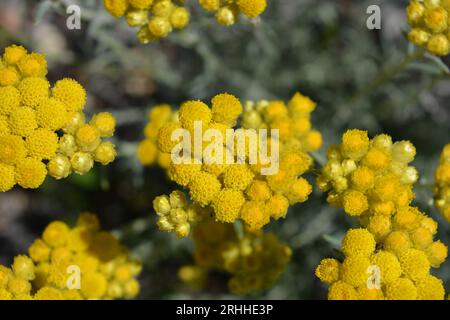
x=322 y=48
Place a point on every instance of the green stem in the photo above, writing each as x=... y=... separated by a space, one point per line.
x=386 y=75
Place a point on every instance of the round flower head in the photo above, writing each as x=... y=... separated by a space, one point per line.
x=33 y=91
x=105 y=123
x=116 y=8
x=33 y=65
x=203 y=188
x=147 y=152
x=105 y=153
x=237 y=176
x=140 y=4
x=341 y=291
x=51 y=114
x=389 y=266
x=9 y=99
x=82 y=162
x=71 y=93
x=22 y=121
x=358 y=242
x=299 y=191
x=30 y=173
x=165 y=141
x=159 y=27
x=87 y=137
x=179 y=18
x=42 y=144
x=226 y=108
x=430 y=288
x=414 y=263
x=8 y=76
x=355 y=203
x=39 y=251
x=255 y=215
x=193 y=111
x=328 y=270
x=401 y=289
x=7 y=177
x=59 y=167
x=227 y=205
x=93 y=285
x=183 y=173
x=354 y=270
x=355 y=143
x=14 y=53
x=437 y=252
x=252 y=8
x=23 y=267
x=12 y=149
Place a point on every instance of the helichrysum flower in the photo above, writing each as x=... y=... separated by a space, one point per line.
x=234 y=191
x=227 y=12
x=105 y=268
x=254 y=262
x=42 y=128
x=442 y=187
x=154 y=18
x=429 y=21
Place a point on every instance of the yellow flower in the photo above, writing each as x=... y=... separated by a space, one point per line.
x=7 y=177
x=255 y=215
x=252 y=8
x=12 y=149
x=33 y=65
x=51 y=114
x=116 y=8
x=105 y=123
x=30 y=173
x=33 y=91
x=203 y=188
x=42 y=144
x=48 y=293
x=227 y=205
x=56 y=234
x=165 y=142
x=354 y=270
x=23 y=267
x=147 y=152
x=140 y=4
x=18 y=285
x=192 y=111
x=71 y=93
x=226 y=109
x=39 y=251
x=328 y=270
x=397 y=242
x=237 y=176
x=59 y=167
x=87 y=138
x=389 y=266
x=414 y=263
x=430 y=288
x=210 y=5
x=358 y=242
x=14 y=53
x=341 y=291
x=82 y=162
x=401 y=289
x=355 y=143
x=183 y=173
x=93 y=285
x=9 y=99
x=105 y=153
x=180 y=18
x=8 y=76
x=437 y=252
x=355 y=203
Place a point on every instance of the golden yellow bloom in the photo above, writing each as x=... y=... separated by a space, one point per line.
x=389 y=266
x=14 y=53
x=33 y=65
x=30 y=173
x=328 y=270
x=51 y=114
x=8 y=76
x=203 y=188
x=12 y=149
x=227 y=204
x=341 y=291
x=401 y=289
x=105 y=123
x=358 y=242
x=252 y=8
x=7 y=177
x=116 y=8
x=9 y=99
x=42 y=144
x=71 y=93
x=33 y=91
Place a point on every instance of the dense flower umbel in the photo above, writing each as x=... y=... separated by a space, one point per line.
x=254 y=261
x=429 y=20
x=369 y=272
x=42 y=129
x=442 y=188
x=156 y=19
x=105 y=268
x=234 y=191
x=369 y=177
x=227 y=11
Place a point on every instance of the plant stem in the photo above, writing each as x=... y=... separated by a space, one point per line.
x=386 y=75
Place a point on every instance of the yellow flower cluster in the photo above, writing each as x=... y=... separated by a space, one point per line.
x=33 y=117
x=77 y=263
x=176 y=214
x=369 y=177
x=367 y=273
x=156 y=19
x=430 y=23
x=254 y=261
x=442 y=188
x=227 y=11
x=292 y=119
x=235 y=190
x=148 y=152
